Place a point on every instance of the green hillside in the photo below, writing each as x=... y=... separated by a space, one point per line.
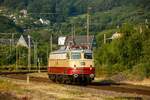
x=128 y=56
x=105 y=14
x=7 y=25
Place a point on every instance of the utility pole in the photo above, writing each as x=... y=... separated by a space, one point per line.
x=39 y=66
x=74 y=31
x=10 y=46
x=16 y=59
x=88 y=24
x=51 y=43
x=35 y=54
x=29 y=52
x=47 y=53
x=146 y=23
x=12 y=38
x=104 y=38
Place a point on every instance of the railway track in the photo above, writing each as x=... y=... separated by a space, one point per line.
x=123 y=88
x=20 y=72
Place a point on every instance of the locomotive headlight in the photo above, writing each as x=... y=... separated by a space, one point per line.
x=92 y=75
x=90 y=67
x=75 y=67
x=75 y=75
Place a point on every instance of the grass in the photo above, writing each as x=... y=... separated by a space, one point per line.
x=6 y=85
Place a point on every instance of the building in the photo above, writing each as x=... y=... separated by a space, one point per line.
x=116 y=35
x=79 y=41
x=23 y=41
x=23 y=13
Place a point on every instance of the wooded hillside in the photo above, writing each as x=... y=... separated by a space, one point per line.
x=128 y=55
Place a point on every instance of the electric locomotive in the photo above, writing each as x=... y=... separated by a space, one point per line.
x=71 y=65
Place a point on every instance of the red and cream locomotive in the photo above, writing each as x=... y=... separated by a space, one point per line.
x=71 y=65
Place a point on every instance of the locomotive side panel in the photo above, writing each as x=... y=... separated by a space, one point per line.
x=58 y=66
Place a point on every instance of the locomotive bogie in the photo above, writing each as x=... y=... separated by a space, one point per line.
x=71 y=79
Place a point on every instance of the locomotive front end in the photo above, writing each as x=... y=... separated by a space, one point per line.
x=71 y=65
x=82 y=65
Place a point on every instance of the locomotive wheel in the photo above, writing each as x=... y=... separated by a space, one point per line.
x=83 y=81
x=59 y=79
x=68 y=80
x=52 y=78
x=89 y=80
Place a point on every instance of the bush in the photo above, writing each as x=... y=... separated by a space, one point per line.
x=101 y=70
x=139 y=72
x=117 y=68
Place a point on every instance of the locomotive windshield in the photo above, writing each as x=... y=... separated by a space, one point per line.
x=88 y=55
x=75 y=55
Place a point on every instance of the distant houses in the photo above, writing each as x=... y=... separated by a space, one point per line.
x=23 y=13
x=23 y=41
x=45 y=22
x=116 y=35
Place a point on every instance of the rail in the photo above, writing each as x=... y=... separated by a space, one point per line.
x=20 y=72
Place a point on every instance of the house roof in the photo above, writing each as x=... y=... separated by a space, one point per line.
x=23 y=41
x=80 y=39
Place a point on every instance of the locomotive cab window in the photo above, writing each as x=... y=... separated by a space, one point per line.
x=88 y=55
x=75 y=55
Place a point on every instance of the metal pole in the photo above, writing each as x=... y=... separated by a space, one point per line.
x=10 y=44
x=51 y=43
x=146 y=23
x=29 y=53
x=35 y=55
x=88 y=17
x=12 y=38
x=39 y=65
x=16 y=58
x=104 y=38
x=47 y=53
x=74 y=31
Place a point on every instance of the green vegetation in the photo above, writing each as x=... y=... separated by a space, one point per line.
x=128 y=55
x=6 y=85
x=7 y=25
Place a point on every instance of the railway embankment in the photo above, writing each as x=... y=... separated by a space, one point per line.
x=40 y=88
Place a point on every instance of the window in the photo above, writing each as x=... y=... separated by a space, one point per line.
x=75 y=55
x=88 y=55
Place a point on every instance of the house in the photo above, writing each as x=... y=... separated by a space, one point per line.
x=46 y=22
x=80 y=41
x=116 y=35
x=23 y=12
x=23 y=41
